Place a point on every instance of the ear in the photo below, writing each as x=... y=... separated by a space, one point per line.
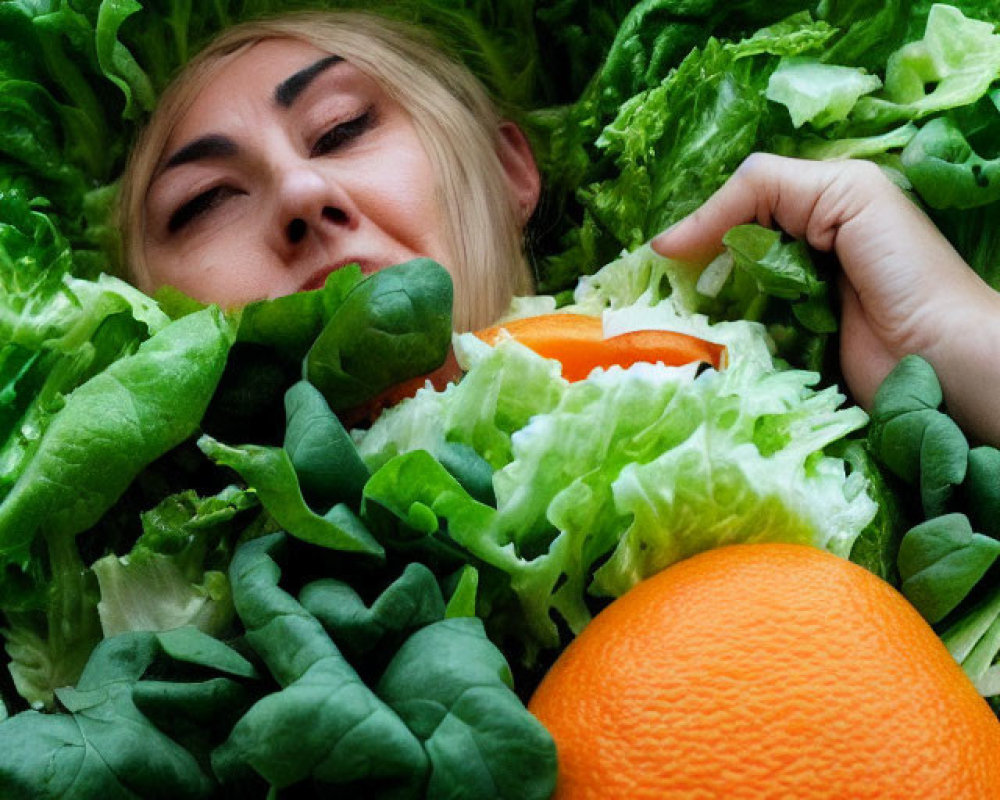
x=518 y=162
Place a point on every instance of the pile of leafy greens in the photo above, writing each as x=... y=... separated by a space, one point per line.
x=597 y=484
x=198 y=557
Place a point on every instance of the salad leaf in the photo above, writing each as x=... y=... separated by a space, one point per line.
x=913 y=438
x=664 y=147
x=129 y=414
x=869 y=30
x=322 y=454
x=106 y=746
x=395 y=325
x=48 y=648
x=269 y=471
x=818 y=148
x=117 y=62
x=290 y=324
x=982 y=489
x=976 y=236
x=945 y=169
x=481 y=412
x=409 y=603
x=56 y=331
x=152 y=594
x=184 y=525
x=165 y=581
x=462 y=602
x=945 y=566
x=110 y=428
x=345 y=733
x=958 y=58
x=452 y=688
x=940 y=561
x=784 y=270
x=605 y=481
x=441 y=719
x=877 y=546
x=816 y=92
x=974 y=641
x=721 y=90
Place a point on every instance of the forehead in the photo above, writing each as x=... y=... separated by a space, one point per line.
x=244 y=85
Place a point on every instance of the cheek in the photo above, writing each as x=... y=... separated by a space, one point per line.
x=229 y=268
x=405 y=200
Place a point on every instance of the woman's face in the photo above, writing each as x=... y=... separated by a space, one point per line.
x=290 y=164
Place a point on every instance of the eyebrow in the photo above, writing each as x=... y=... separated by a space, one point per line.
x=213 y=145
x=288 y=91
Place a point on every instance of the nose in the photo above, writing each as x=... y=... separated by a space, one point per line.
x=311 y=204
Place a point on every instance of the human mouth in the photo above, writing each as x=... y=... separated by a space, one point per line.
x=318 y=279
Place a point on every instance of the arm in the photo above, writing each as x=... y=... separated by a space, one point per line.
x=904 y=288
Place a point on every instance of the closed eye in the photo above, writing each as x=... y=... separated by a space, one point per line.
x=342 y=134
x=199 y=205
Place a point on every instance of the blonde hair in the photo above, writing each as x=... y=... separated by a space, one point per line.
x=457 y=122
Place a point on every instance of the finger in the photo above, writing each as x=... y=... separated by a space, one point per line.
x=767 y=189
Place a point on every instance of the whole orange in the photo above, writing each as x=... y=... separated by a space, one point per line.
x=766 y=671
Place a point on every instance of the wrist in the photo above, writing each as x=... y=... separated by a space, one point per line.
x=966 y=356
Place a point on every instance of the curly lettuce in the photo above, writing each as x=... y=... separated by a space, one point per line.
x=603 y=482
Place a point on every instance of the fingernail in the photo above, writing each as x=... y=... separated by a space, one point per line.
x=657 y=241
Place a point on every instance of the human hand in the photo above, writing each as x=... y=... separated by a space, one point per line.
x=904 y=288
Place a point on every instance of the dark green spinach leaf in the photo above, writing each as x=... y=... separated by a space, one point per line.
x=393 y=326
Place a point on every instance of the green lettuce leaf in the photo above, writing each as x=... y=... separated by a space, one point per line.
x=946 y=171
x=290 y=324
x=482 y=411
x=409 y=603
x=953 y=65
x=816 y=92
x=818 y=148
x=869 y=30
x=167 y=581
x=974 y=641
x=126 y=416
x=453 y=689
x=152 y=594
x=669 y=142
x=355 y=736
x=976 y=235
x=108 y=430
x=720 y=89
x=117 y=62
x=327 y=463
x=877 y=546
x=602 y=482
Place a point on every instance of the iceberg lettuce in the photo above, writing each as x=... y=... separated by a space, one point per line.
x=953 y=65
x=818 y=93
x=605 y=481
